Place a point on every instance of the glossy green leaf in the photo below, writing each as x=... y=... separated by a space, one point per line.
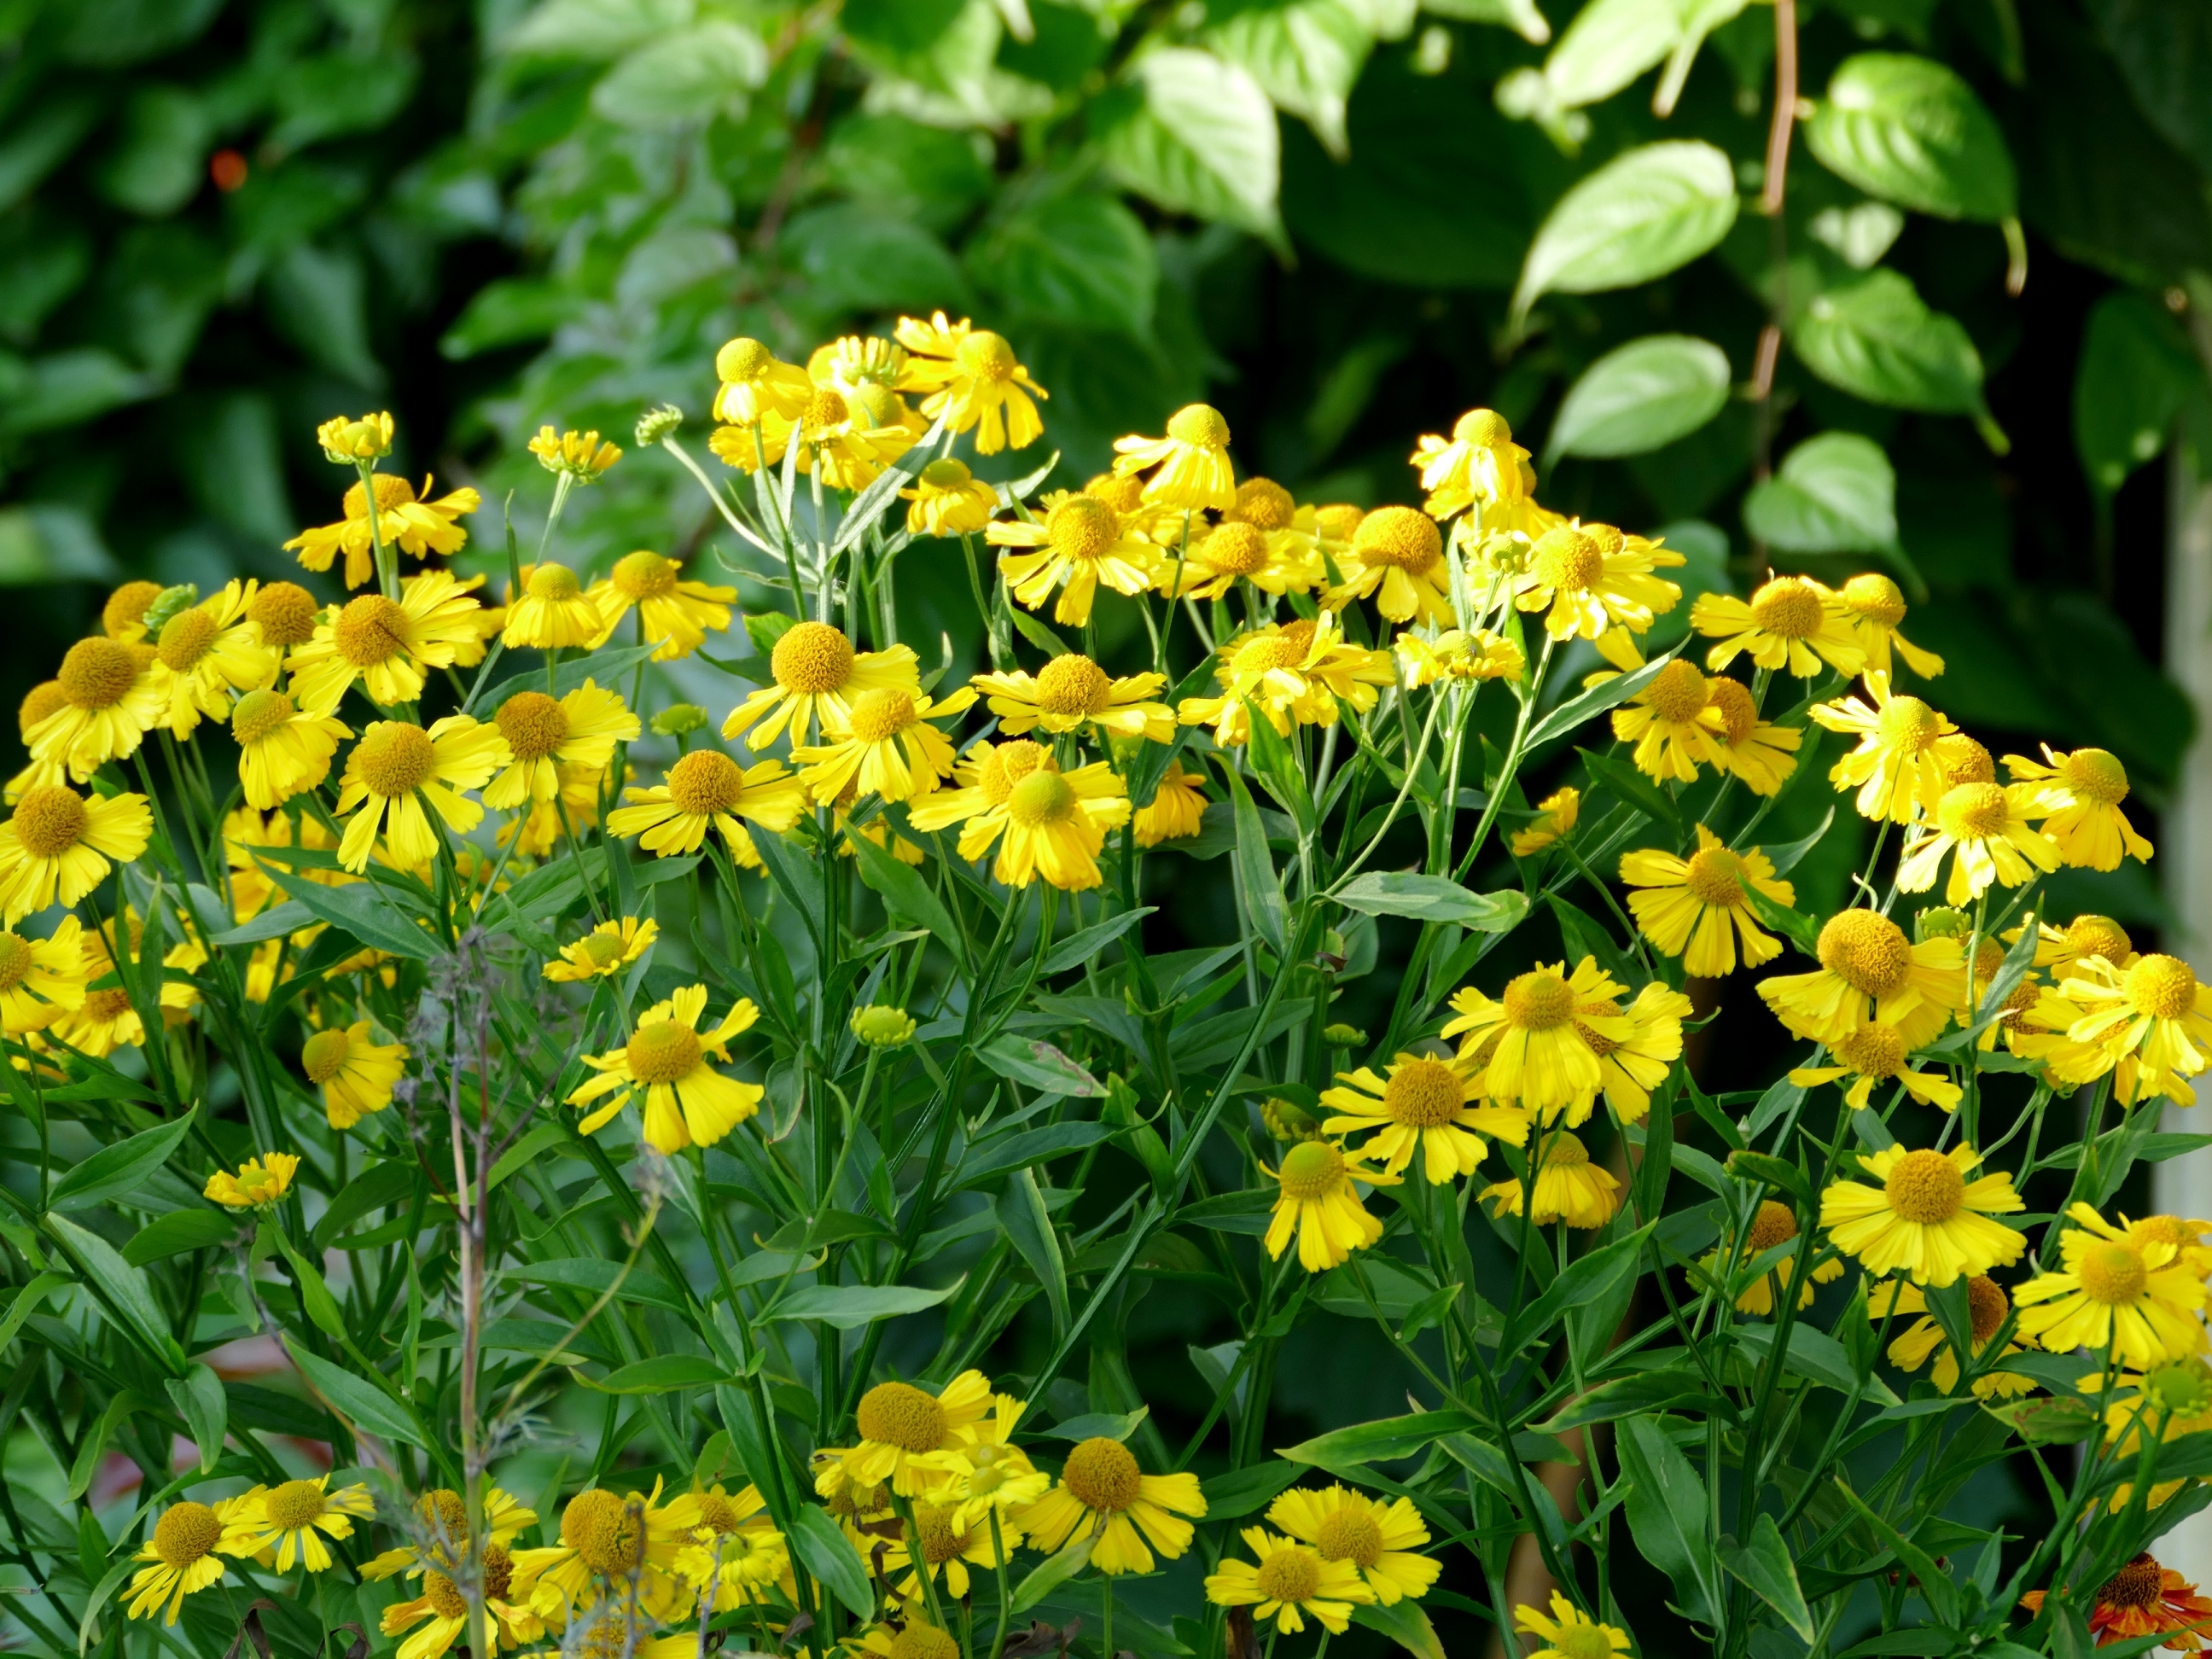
x=849 y=1307
x=1909 y=130
x=1203 y=141
x=368 y=1407
x=199 y=1399
x=2137 y=371
x=1081 y=259
x=1433 y=898
x=121 y=1170
x=1873 y=338
x=1640 y=397
x=1040 y=1066
x=1666 y=1514
x=828 y=1554
x=1834 y=493
x=1763 y=1562
x=1259 y=890
x=1304 y=55
x=1642 y=214
x=1405 y=1622
x=1028 y=1226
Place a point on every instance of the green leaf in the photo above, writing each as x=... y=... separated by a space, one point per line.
x=315 y=1298
x=1873 y=338
x=1642 y=214
x=661 y=1374
x=1639 y=1392
x=908 y=899
x=1933 y=1582
x=1028 y=1228
x=688 y=74
x=155 y=163
x=1038 y=1065
x=1666 y=1514
x=1305 y=54
x=1633 y=787
x=597 y=1275
x=123 y=1168
x=1835 y=493
x=1081 y=259
x=1594 y=1280
x=179 y=1231
x=1260 y=891
x=2137 y=371
x=855 y=257
x=1405 y=1623
x=1909 y=130
x=1084 y=943
x=1640 y=397
x=1383 y=1441
x=849 y=1307
x=122 y=1284
x=1764 y=1565
x=1099 y=1426
x=363 y=908
x=1817 y=1357
x=368 y=1407
x=200 y=1402
x=1240 y=1491
x=86 y=1464
x=1433 y=898
x=1053 y=1571
x=26 y=1301
x=828 y=1554
x=1204 y=141
x=1596 y=701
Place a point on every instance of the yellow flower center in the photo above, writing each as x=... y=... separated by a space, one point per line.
x=444 y=1596
x=16 y=960
x=1006 y=764
x=1399 y=535
x=1987 y=1305
x=2095 y=776
x=1073 y=684
x=258 y=714
x=2184 y=1388
x=741 y=361
x=704 y=783
x=1867 y=951
x=1872 y=1050
x=285 y=612
x=1789 y=606
x=717 y=1513
x=323 y=1055
x=1040 y=799
x=987 y=356
x=939 y=1541
x=947 y=474
x=1737 y=710
x=498 y=1572
x=1564 y=1151
x=1264 y=652
x=1578 y=1640
x=1424 y=1094
x=295 y=1504
x=1103 y=1474
x=644 y=576
x=1349 y=1534
x=40 y=701
x=555 y=583
x=1484 y=428
x=1201 y=426
x=1568 y=560
x=1597 y=1041
x=667 y=1051
x=1609 y=539
x=2138 y=1584
x=391 y=491
x=2099 y=936
x=1264 y=504
x=101 y=1006
x=1714 y=878
x=921 y=1641
x=186 y=1535
x=1539 y=1001
x=2113 y=1272
x=533 y=724
x=811 y=658
x=371 y=629
x=883 y=713
x=50 y=820
x=1968 y=762
x=186 y=638
x=2162 y=986
x=1338 y=521
x=1236 y=549
x=1290 y=1575
x=97 y=674
x=1926 y=1188
x=1677 y=693
x=1082 y=527
x=1973 y=811
x=1311 y=1170
x=395 y=759
x=126 y=605
x=601 y=950
x=1775 y=1223
x=600 y=1528
x=1876 y=598
x=825 y=408
x=444 y=1517
x=1907 y=725
x=899 y=1414
x=1122 y=495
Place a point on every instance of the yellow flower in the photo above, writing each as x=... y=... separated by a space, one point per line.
x=547 y=739
x=2172 y=1399
x=1592 y=577
x=2134 y=1299
x=852 y=436
x=1569 y=1633
x=59 y=846
x=110 y=704
x=2150 y=1023
x=1071 y=692
x=1672 y=723
x=1902 y=765
x=414 y=524
x=1107 y=1496
x=41 y=980
x=1875 y=1052
x=509 y=1623
x=687 y=1101
x=1193 y=471
x=908 y=1436
x=1877 y=607
x=1869 y=970
x=1926 y=1218
x=388 y=645
x=1985 y=829
x=971 y=375
x=885 y=746
x=917 y=1639
x=2078 y=797
x=1480 y=463
x=604 y=951
x=706 y=789
x=1054 y=823
x=1319 y=1202
x=947 y=1546
x=853 y=361
x=442 y=1521
x=1425 y=1105
x=1455 y=654
x=815 y=674
x=345 y=439
x=1695 y=907
x=580 y=455
x=1791 y=623
x=1987 y=1305
x=1299 y=671
x=1080 y=544
x=1288 y=1580
x=736 y=1529
x=1567 y=1186
x=396 y=768
x=1380 y=1539
x=286 y=614
x=1176 y=810
x=259 y=1181
x=1762 y=753
x=354 y=1072
x=2086 y=935
x=181 y=1557
x=539 y=826
x=1547 y=1026
x=293 y=1518
x=1396 y=557
x=206 y=652
x=1630 y=1068
x=755 y=384
x=282 y=751
x=553 y=612
x=948 y=499
x=123 y=616
x=1773 y=1223
x=1234 y=550
x=677 y=615
x=1555 y=818
x=606 y=1540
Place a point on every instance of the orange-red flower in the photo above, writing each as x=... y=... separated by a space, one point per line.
x=2143 y=1599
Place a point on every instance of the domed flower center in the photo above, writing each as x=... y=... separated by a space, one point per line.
x=940 y=1541
x=1040 y=799
x=16 y=960
x=601 y=950
x=323 y=1055
x=1596 y=1041
x=285 y=612
x=1872 y=1050
x=742 y=360
x=1583 y=1642
x=1867 y=951
x=1789 y=606
x=186 y=638
x=444 y=1516
x=1073 y=684
x=1424 y=1094
x=667 y=1051
x=1200 y=425
x=1290 y=1575
x=126 y=606
x=883 y=713
x=50 y=820
x=1608 y=538
x=2161 y=987
x=1876 y=598
x=498 y=1572
x=186 y=1535
x=947 y=474
x=533 y=724
x=1926 y=1188
x=988 y=356
x=1123 y=495
x=41 y=700
x=921 y=1641
x=1737 y=710
x=2183 y=1388
x=644 y=575
x=97 y=674
x=1400 y=537
x=1986 y=1305
x=600 y=1528
x=1564 y=1151
x=1006 y=764
x=1714 y=876
x=1264 y=504
x=1082 y=527
x=899 y=1414
x=1484 y=428
x=2099 y=936
x=875 y=407
x=1349 y=1534
x=296 y=1504
x=1265 y=652
x=717 y=1513
x=1968 y=762
x=1539 y=1001
x=554 y=583
x=1311 y=1170
x=1775 y=1223
x=371 y=629
x=704 y=783
x=2113 y=1272
x=1907 y=725
x=2095 y=776
x=826 y=409
x=811 y=658
x=1568 y=560
x=1973 y=811
x=1677 y=693
x=1103 y=1474
x=395 y=759
x=2138 y=1584
x=258 y=713
x=100 y=1007
x=1338 y=521
x=1236 y=549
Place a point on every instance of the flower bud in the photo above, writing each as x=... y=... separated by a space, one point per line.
x=679 y=719
x=167 y=603
x=1343 y=1037
x=880 y=1026
x=657 y=423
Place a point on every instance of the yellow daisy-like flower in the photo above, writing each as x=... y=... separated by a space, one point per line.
x=2150 y=1023
x=1791 y=623
x=1987 y=1305
x=1104 y=1493
x=1195 y=471
x=1589 y=577
x=1875 y=1052
x=948 y=499
x=1566 y=1186
x=2133 y=1298
x=908 y=1436
x=40 y=701
x=286 y=614
x=1925 y=1219
x=1870 y=969
x=993 y=1474
x=1380 y=1539
x=60 y=845
x=1319 y=1202
x=1877 y=606
x=1287 y=1580
x=852 y=436
x=1985 y=828
x=885 y=746
x=1396 y=557
x=283 y=750
x=354 y=1072
x=181 y=1557
x=1695 y=907
x=2078 y=797
x=1760 y=753
x=853 y=361
x=414 y=524
x=259 y=1181
x=607 y=1541
x=677 y=615
x=1674 y=725
x=755 y=384
x=345 y=439
x=1630 y=1068
x=2171 y=1400
x=396 y=767
x=1176 y=811
x=735 y=1530
x=1081 y=543
x=1457 y=655
x=1300 y=671
x=1479 y=463
x=1773 y=1223
x=984 y=780
x=1544 y=1057
x=123 y=615
x=1054 y=824
x=109 y=703
x=508 y=1624
x=687 y=1101
x=1426 y=1106
x=916 y=1638
x=604 y=951
x=553 y=612
x=1555 y=819
x=1906 y=751
x=1234 y=551
x=706 y=789
x=41 y=979
x=579 y=455
x=388 y=645
x=1569 y=1633
x=1071 y=692
x=815 y=674
x=944 y=1548
x=973 y=376
x=547 y=739
x=293 y=1520
x=441 y=1520
x=206 y=652
x=2086 y=935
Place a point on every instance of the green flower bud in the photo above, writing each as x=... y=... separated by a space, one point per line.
x=1941 y=921
x=1343 y=1037
x=881 y=1026
x=679 y=719
x=167 y=603
x=1288 y=1121
x=657 y=423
